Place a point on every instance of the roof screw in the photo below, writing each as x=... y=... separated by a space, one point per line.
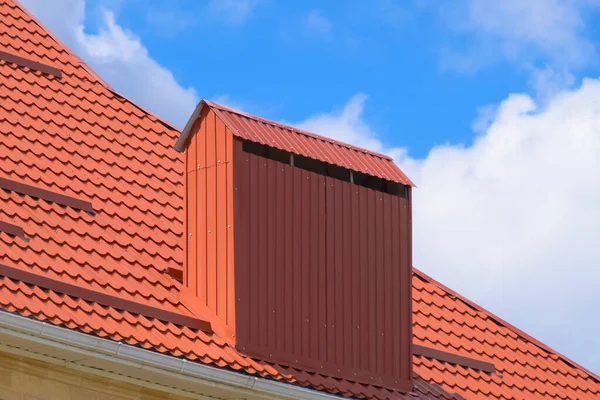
x=209 y=231
x=228 y=226
x=190 y=234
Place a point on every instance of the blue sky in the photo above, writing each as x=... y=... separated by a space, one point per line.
x=492 y=108
x=288 y=60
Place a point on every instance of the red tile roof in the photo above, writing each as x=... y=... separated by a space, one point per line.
x=76 y=136
x=297 y=141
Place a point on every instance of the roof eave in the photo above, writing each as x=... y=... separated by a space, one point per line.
x=90 y=354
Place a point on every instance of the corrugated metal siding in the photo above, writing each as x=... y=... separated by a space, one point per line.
x=296 y=141
x=209 y=267
x=323 y=272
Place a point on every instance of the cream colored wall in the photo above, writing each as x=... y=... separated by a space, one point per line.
x=26 y=379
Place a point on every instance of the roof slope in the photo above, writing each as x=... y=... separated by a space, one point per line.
x=525 y=368
x=77 y=137
x=297 y=141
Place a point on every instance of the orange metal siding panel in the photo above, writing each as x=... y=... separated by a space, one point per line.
x=190 y=156
x=201 y=235
x=201 y=141
x=191 y=234
x=211 y=238
x=221 y=141
x=211 y=275
x=230 y=319
x=211 y=139
x=221 y=219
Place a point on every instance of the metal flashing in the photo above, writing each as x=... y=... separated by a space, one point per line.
x=444 y=356
x=13 y=230
x=103 y=299
x=33 y=65
x=46 y=195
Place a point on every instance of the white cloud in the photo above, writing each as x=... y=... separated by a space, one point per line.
x=347 y=125
x=233 y=11
x=549 y=30
x=317 y=23
x=546 y=82
x=512 y=221
x=118 y=56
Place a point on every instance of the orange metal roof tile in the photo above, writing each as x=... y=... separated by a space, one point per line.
x=78 y=137
x=297 y=141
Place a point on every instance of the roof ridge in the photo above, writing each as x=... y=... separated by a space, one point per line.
x=71 y=53
x=312 y=135
x=89 y=69
x=504 y=323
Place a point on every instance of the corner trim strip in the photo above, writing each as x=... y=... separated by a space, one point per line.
x=443 y=356
x=47 y=195
x=103 y=299
x=34 y=65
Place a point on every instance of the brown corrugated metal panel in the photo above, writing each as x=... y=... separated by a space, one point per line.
x=308 y=144
x=322 y=273
x=208 y=270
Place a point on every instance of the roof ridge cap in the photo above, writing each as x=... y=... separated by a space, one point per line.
x=89 y=69
x=298 y=130
x=504 y=323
